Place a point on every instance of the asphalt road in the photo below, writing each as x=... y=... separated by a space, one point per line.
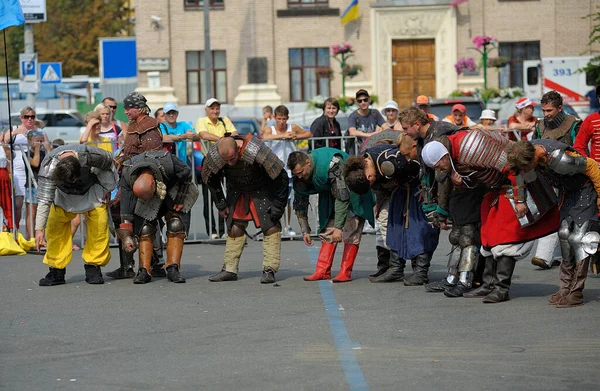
x=294 y=335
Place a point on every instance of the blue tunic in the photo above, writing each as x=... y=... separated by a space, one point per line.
x=420 y=237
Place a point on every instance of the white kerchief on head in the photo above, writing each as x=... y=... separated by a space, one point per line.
x=433 y=152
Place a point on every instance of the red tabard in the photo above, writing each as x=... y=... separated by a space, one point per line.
x=245 y=210
x=499 y=224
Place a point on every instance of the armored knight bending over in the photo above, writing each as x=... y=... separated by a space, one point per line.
x=257 y=190
x=142 y=135
x=342 y=214
x=578 y=180
x=74 y=179
x=480 y=156
x=156 y=185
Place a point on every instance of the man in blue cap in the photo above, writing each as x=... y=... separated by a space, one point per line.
x=175 y=131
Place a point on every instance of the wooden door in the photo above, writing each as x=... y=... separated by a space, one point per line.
x=413 y=74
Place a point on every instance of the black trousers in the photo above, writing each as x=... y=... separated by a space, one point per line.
x=209 y=224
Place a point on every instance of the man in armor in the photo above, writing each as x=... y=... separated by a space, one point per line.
x=556 y=124
x=342 y=214
x=434 y=193
x=143 y=134
x=578 y=179
x=257 y=190
x=74 y=179
x=155 y=185
x=480 y=156
x=559 y=126
x=387 y=170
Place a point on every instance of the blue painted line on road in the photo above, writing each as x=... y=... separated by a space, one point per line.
x=341 y=339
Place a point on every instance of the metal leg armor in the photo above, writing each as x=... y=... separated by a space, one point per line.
x=146 y=247
x=175 y=237
x=469 y=255
x=583 y=242
x=563 y=238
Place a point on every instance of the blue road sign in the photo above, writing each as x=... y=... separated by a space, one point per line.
x=118 y=58
x=51 y=72
x=28 y=68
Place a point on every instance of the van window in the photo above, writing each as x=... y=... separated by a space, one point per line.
x=532 y=76
x=589 y=79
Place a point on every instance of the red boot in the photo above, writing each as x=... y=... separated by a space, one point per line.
x=324 y=262
x=350 y=251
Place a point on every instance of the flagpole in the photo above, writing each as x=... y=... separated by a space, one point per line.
x=10 y=158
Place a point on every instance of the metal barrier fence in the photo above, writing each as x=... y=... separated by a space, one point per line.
x=197 y=220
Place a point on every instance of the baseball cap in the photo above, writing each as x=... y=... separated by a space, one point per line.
x=362 y=92
x=460 y=108
x=524 y=102
x=211 y=102
x=433 y=152
x=170 y=107
x=422 y=100
x=390 y=104
x=488 y=114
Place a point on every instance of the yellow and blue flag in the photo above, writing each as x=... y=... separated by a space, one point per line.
x=351 y=13
x=11 y=13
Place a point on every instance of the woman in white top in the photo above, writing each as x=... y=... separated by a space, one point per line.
x=391 y=111
x=283 y=136
x=20 y=152
x=108 y=128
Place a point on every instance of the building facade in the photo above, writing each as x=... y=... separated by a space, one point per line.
x=270 y=51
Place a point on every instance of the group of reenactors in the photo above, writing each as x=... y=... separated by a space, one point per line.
x=496 y=196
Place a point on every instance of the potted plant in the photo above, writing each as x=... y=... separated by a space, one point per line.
x=324 y=72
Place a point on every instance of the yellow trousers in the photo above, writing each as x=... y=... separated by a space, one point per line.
x=59 y=250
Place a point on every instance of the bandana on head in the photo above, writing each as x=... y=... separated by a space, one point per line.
x=433 y=152
x=134 y=100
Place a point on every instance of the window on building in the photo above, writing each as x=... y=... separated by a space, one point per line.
x=200 y=3
x=196 y=77
x=305 y=82
x=301 y=3
x=511 y=75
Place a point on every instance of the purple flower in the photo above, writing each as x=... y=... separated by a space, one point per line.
x=465 y=64
x=483 y=40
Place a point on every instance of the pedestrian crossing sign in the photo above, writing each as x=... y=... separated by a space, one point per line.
x=51 y=72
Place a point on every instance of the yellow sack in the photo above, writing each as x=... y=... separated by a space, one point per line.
x=25 y=244
x=8 y=246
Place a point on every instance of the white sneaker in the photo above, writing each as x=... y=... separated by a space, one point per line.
x=290 y=232
x=214 y=236
x=224 y=236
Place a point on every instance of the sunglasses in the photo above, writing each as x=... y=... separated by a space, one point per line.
x=362 y=100
x=113 y=107
x=29 y=117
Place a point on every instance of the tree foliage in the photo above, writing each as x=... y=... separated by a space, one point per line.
x=593 y=67
x=70 y=34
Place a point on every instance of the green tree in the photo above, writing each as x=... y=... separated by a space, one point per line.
x=593 y=67
x=70 y=34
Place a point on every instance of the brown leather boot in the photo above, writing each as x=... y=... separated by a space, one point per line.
x=565 y=275
x=174 y=251
x=144 y=274
x=575 y=296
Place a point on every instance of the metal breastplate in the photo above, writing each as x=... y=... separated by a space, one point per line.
x=483 y=149
x=246 y=178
